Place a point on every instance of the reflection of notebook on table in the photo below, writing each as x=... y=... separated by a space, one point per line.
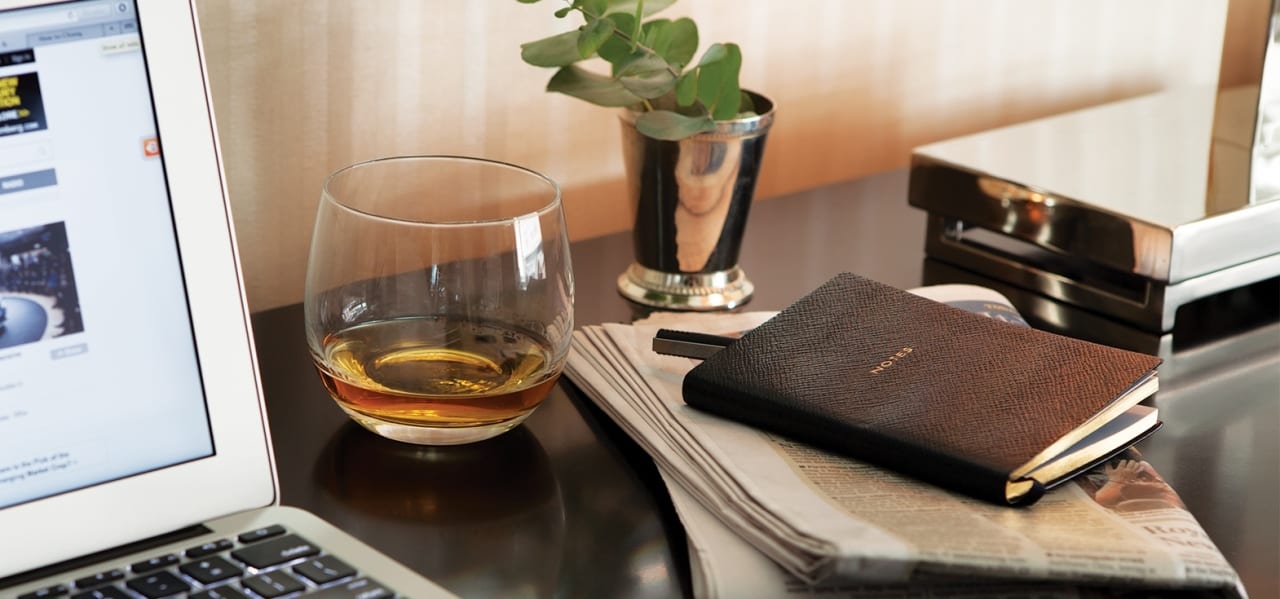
x=129 y=403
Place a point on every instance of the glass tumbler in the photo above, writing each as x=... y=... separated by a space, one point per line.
x=439 y=295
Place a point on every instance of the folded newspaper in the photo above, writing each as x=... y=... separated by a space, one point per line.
x=769 y=517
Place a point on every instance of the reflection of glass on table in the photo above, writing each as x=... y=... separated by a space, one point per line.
x=451 y=503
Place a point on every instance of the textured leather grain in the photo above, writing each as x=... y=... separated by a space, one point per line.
x=871 y=371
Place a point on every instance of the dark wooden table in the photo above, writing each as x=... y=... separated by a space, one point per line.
x=566 y=505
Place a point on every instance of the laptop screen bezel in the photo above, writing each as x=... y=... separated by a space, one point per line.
x=240 y=475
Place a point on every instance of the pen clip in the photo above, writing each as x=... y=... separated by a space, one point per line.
x=698 y=346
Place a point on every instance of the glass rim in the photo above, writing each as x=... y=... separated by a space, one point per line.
x=552 y=205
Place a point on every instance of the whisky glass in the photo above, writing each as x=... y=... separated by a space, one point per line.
x=439 y=295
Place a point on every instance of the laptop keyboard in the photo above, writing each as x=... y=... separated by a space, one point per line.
x=266 y=563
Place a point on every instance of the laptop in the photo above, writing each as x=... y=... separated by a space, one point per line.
x=134 y=452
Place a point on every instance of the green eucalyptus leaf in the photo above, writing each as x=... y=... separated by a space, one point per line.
x=718 y=83
x=555 y=51
x=616 y=50
x=623 y=21
x=528 y=1
x=593 y=8
x=562 y=13
x=643 y=65
x=596 y=89
x=635 y=31
x=687 y=88
x=592 y=36
x=675 y=41
x=664 y=124
x=746 y=106
x=715 y=53
x=631 y=7
x=647 y=76
x=649 y=87
x=683 y=42
x=655 y=36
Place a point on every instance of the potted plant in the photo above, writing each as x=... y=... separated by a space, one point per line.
x=692 y=141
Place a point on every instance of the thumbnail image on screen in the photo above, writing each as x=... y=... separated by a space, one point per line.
x=38 y=298
x=21 y=105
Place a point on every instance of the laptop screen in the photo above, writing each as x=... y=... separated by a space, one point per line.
x=98 y=371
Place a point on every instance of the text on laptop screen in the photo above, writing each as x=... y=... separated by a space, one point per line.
x=98 y=373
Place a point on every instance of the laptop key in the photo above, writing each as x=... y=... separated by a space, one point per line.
x=267 y=532
x=56 y=590
x=224 y=592
x=265 y=554
x=160 y=584
x=207 y=549
x=99 y=579
x=102 y=593
x=273 y=584
x=211 y=569
x=324 y=569
x=356 y=589
x=363 y=588
x=155 y=563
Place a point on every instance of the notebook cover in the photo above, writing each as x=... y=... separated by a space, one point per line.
x=870 y=371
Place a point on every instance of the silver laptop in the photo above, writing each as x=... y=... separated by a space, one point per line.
x=134 y=455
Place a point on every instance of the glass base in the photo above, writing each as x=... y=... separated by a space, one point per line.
x=434 y=435
x=719 y=290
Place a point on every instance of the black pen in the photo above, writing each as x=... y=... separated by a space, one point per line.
x=698 y=346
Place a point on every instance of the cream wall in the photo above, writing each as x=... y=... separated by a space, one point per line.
x=302 y=87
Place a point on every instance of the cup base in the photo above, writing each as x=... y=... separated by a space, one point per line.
x=718 y=290
x=429 y=435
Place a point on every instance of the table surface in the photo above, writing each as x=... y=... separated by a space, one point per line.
x=566 y=505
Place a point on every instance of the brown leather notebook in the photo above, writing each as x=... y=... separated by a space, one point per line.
x=993 y=410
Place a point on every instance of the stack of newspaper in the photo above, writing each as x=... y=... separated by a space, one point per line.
x=766 y=516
